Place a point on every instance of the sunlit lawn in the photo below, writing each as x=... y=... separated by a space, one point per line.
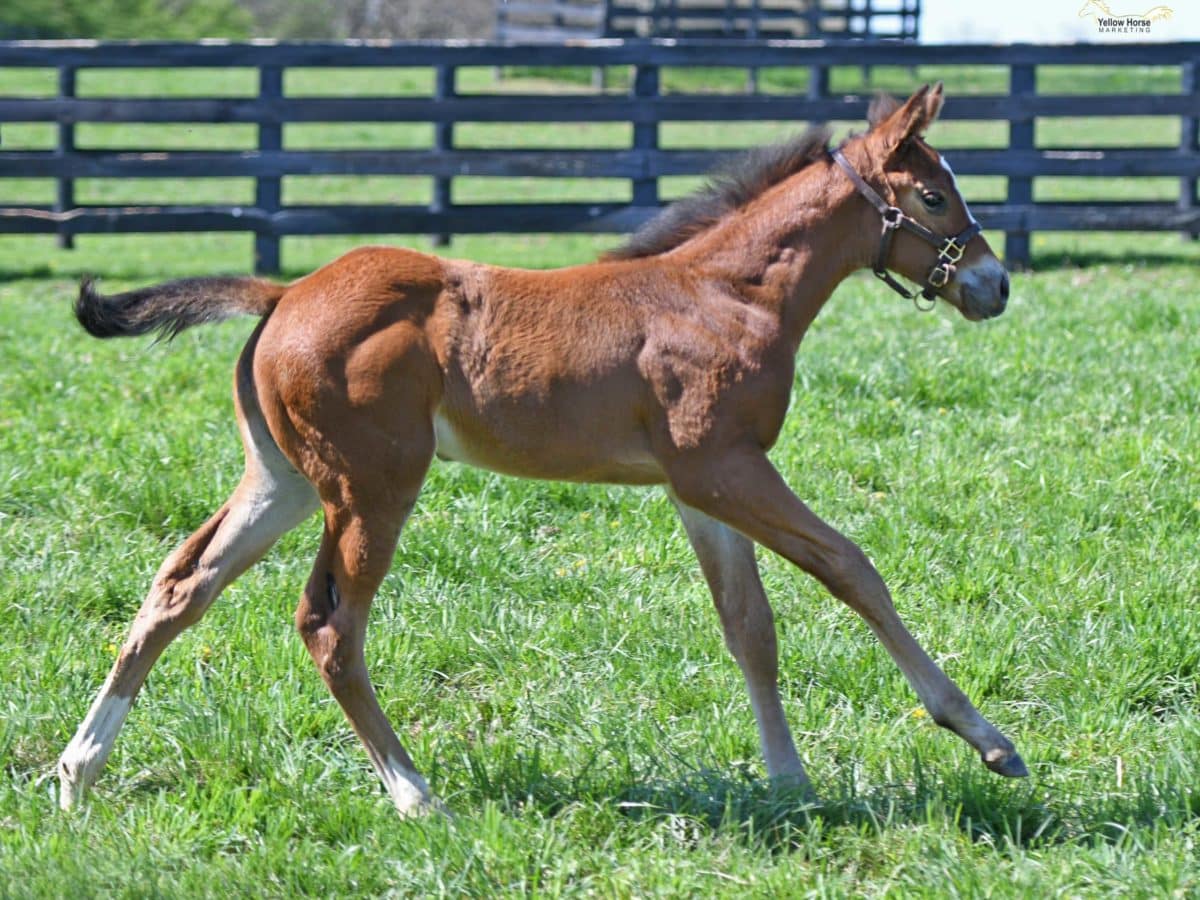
x=1029 y=487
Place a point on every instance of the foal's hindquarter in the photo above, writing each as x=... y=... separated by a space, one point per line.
x=674 y=371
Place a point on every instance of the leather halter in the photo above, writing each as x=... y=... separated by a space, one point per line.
x=950 y=249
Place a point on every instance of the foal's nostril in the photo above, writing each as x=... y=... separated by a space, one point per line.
x=1004 y=287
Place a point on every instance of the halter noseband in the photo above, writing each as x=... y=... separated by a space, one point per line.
x=950 y=249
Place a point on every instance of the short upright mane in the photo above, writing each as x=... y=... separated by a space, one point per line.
x=730 y=188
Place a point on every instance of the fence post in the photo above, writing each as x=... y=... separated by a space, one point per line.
x=818 y=82
x=443 y=139
x=65 y=199
x=673 y=17
x=1022 y=82
x=645 y=137
x=812 y=15
x=753 y=33
x=266 y=192
x=1188 y=143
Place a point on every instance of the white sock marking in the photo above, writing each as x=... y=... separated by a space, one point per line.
x=85 y=755
x=407 y=788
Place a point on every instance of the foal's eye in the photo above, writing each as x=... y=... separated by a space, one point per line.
x=933 y=200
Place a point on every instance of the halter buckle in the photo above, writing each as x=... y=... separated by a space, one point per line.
x=939 y=276
x=951 y=251
x=892 y=217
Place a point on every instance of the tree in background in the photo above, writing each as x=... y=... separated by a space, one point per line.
x=411 y=19
x=235 y=19
x=145 y=19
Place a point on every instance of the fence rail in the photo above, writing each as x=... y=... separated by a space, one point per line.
x=645 y=107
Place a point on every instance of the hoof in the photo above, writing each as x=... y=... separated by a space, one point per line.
x=1007 y=763
x=69 y=797
x=409 y=792
x=426 y=808
x=71 y=792
x=793 y=787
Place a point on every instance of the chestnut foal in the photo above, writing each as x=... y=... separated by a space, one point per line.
x=670 y=361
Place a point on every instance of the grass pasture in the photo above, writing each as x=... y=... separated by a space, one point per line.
x=1029 y=488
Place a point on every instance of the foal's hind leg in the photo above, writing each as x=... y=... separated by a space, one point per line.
x=266 y=504
x=355 y=555
x=727 y=560
x=366 y=504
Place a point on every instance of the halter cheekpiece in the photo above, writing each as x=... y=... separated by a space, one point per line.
x=950 y=249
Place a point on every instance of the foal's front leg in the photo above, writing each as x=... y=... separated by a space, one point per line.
x=727 y=560
x=741 y=488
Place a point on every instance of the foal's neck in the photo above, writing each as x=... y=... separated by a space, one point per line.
x=789 y=248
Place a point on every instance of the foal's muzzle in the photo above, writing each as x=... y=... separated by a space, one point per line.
x=983 y=289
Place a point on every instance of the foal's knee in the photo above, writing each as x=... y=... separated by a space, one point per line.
x=329 y=650
x=844 y=569
x=328 y=635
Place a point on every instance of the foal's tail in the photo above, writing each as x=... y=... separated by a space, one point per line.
x=171 y=307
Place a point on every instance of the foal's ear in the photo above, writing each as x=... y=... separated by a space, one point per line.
x=894 y=124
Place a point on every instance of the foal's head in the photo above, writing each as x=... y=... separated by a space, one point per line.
x=911 y=175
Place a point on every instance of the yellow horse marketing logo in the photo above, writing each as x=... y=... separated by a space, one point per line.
x=1129 y=23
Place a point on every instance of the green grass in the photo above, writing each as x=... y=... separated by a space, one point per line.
x=1029 y=488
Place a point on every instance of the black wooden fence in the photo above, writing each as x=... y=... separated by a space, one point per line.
x=645 y=106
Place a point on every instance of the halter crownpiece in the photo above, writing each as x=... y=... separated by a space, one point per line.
x=950 y=249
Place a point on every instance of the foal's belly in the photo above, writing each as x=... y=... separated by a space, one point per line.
x=547 y=452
